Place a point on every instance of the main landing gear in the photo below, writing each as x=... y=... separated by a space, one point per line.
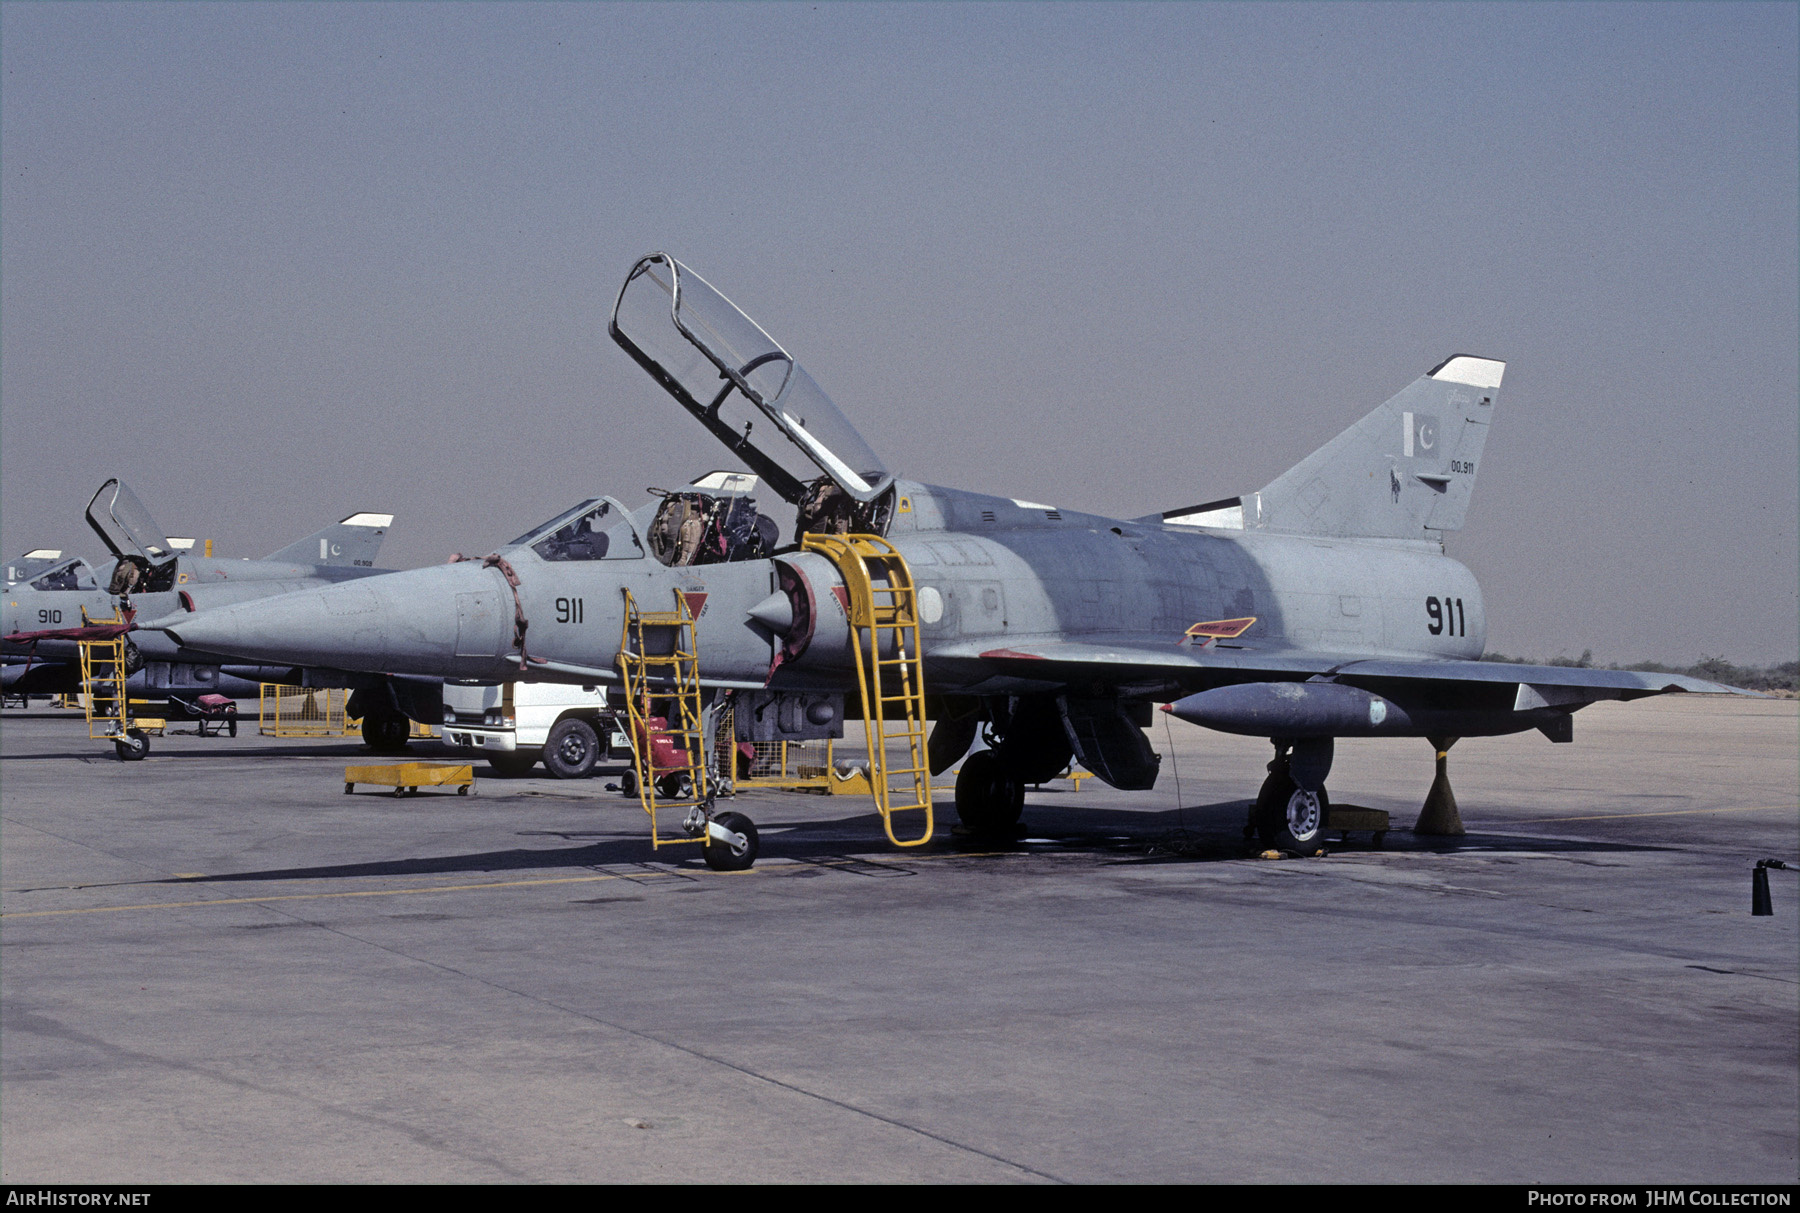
x=1293 y=811
x=989 y=797
x=1292 y=808
x=386 y=732
x=1027 y=745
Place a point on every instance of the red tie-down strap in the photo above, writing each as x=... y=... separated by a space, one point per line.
x=493 y=560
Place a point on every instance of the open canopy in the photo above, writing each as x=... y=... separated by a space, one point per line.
x=126 y=527
x=746 y=389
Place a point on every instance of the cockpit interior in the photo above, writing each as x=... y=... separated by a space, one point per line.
x=70 y=574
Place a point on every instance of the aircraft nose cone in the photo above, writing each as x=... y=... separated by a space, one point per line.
x=450 y=619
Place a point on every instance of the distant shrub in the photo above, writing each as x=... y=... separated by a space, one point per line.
x=1782 y=677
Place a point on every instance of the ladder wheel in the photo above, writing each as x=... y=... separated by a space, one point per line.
x=723 y=858
x=131 y=747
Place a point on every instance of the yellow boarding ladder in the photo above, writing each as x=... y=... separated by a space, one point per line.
x=884 y=634
x=103 y=677
x=659 y=656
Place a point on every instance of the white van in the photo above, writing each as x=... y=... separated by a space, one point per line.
x=514 y=724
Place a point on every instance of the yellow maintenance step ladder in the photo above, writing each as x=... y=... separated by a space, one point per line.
x=884 y=633
x=659 y=660
x=105 y=698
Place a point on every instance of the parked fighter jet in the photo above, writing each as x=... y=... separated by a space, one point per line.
x=45 y=617
x=1321 y=606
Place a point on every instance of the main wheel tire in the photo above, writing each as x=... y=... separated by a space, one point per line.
x=1303 y=821
x=571 y=749
x=511 y=765
x=1271 y=804
x=989 y=799
x=675 y=787
x=1290 y=818
x=131 y=747
x=723 y=857
x=386 y=733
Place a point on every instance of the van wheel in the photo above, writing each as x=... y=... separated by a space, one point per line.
x=571 y=749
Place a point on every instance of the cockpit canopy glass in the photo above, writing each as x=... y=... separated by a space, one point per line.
x=597 y=529
x=125 y=526
x=31 y=564
x=71 y=574
x=741 y=384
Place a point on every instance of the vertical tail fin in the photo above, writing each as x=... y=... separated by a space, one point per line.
x=350 y=543
x=1406 y=469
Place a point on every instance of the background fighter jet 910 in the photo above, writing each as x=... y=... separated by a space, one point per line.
x=1321 y=606
x=150 y=575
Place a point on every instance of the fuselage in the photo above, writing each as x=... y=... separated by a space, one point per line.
x=202 y=583
x=992 y=574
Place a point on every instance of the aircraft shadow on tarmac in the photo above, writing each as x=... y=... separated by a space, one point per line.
x=1193 y=834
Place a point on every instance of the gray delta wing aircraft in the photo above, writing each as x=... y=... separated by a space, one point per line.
x=47 y=614
x=1321 y=606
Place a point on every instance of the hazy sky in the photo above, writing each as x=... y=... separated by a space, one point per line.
x=277 y=263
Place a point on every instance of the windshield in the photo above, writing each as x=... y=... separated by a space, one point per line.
x=72 y=574
x=739 y=382
x=597 y=529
